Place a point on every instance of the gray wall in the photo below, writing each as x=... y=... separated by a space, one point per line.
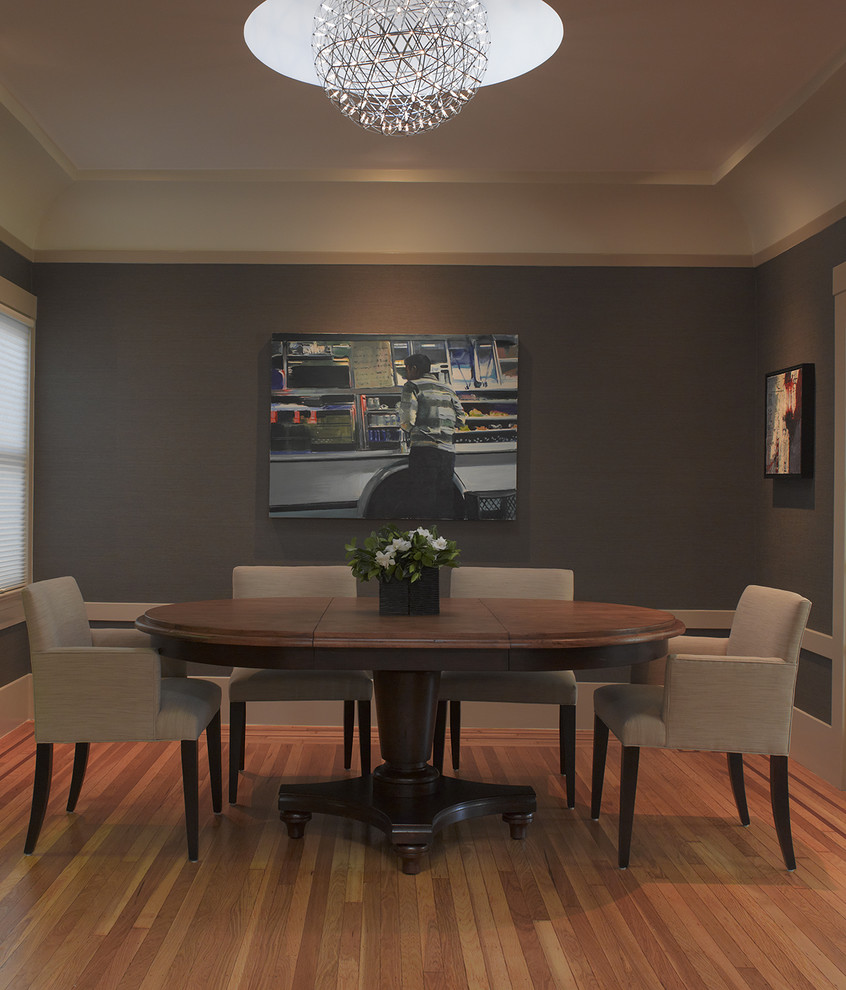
x=795 y=324
x=14 y=654
x=16 y=268
x=642 y=410
x=638 y=452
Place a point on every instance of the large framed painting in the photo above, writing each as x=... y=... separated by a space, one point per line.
x=789 y=440
x=394 y=426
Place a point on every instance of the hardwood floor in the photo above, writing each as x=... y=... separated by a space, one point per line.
x=110 y=900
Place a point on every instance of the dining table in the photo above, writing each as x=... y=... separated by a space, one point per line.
x=405 y=796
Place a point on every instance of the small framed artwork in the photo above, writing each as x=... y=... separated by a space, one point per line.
x=789 y=441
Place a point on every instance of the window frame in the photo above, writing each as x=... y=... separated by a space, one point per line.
x=21 y=306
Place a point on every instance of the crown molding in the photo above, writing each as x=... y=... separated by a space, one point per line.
x=510 y=260
x=405 y=176
x=805 y=232
x=17 y=245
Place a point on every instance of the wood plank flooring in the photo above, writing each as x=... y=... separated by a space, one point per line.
x=110 y=900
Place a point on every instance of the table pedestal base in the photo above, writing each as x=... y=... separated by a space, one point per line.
x=406 y=797
x=409 y=821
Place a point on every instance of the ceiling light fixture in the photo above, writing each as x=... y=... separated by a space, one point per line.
x=402 y=66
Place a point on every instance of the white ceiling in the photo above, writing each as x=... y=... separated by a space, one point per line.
x=656 y=86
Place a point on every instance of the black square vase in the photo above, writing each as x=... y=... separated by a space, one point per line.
x=424 y=596
x=420 y=597
x=393 y=598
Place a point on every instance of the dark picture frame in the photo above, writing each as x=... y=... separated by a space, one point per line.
x=789 y=423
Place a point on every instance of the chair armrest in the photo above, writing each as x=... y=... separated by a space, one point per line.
x=729 y=704
x=84 y=694
x=654 y=672
x=700 y=646
x=120 y=636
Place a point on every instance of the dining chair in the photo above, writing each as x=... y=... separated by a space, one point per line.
x=734 y=695
x=247 y=684
x=104 y=685
x=537 y=687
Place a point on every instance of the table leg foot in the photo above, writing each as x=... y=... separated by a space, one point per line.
x=518 y=823
x=410 y=857
x=296 y=822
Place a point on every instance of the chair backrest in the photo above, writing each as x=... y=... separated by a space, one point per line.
x=512 y=582
x=55 y=615
x=323 y=581
x=768 y=623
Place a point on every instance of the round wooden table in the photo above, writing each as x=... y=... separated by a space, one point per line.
x=406 y=797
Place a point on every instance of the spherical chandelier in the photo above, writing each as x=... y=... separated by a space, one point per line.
x=400 y=66
x=405 y=67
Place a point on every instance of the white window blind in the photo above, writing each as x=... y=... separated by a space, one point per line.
x=14 y=451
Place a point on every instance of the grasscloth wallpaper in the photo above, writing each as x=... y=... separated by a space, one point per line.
x=637 y=421
x=641 y=419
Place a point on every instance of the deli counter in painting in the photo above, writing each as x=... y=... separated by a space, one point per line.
x=336 y=446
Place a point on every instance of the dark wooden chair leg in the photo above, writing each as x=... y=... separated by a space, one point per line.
x=567 y=749
x=738 y=785
x=780 y=798
x=237 y=733
x=242 y=751
x=190 y=788
x=349 y=725
x=40 y=794
x=600 y=750
x=80 y=762
x=628 y=789
x=215 y=769
x=439 y=737
x=455 y=732
x=364 y=736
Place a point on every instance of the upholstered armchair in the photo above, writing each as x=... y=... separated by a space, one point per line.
x=735 y=698
x=246 y=684
x=106 y=686
x=547 y=687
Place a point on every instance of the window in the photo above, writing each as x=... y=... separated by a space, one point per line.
x=15 y=356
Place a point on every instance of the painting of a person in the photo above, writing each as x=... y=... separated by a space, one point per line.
x=430 y=413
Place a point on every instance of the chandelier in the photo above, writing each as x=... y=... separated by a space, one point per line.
x=402 y=66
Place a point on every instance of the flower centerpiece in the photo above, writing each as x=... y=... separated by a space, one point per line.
x=406 y=564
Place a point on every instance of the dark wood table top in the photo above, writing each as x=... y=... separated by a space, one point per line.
x=469 y=633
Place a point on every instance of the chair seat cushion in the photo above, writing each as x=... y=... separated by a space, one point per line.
x=247 y=684
x=188 y=704
x=549 y=687
x=632 y=712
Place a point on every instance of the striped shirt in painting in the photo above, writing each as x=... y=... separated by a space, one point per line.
x=430 y=412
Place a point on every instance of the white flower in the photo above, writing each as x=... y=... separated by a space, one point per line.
x=439 y=544
x=386 y=558
x=422 y=532
x=399 y=544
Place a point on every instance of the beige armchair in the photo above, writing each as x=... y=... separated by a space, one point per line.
x=736 y=698
x=105 y=685
x=556 y=687
x=246 y=684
